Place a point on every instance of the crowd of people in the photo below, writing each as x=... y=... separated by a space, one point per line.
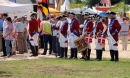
x=13 y=34
x=60 y=32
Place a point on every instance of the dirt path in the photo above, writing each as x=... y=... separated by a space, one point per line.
x=106 y=54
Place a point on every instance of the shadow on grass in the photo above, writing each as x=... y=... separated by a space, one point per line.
x=5 y=74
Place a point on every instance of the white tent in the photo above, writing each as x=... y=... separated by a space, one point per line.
x=15 y=9
x=78 y=10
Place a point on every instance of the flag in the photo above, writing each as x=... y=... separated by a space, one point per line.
x=64 y=7
x=55 y=4
x=41 y=11
x=88 y=38
x=44 y=6
x=101 y=39
x=59 y=5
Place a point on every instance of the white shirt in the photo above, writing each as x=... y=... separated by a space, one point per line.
x=68 y=20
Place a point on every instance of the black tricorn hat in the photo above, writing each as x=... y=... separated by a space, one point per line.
x=112 y=13
x=63 y=15
x=71 y=13
x=58 y=17
x=95 y=16
x=33 y=13
x=86 y=14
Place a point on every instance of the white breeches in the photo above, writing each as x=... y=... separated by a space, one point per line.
x=71 y=39
x=98 y=46
x=34 y=42
x=62 y=40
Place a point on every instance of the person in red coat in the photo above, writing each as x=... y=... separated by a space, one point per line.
x=106 y=23
x=101 y=30
x=113 y=29
x=87 y=29
x=73 y=33
x=63 y=35
x=33 y=35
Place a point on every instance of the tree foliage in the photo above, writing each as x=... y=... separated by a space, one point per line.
x=91 y=3
x=121 y=8
x=72 y=6
x=77 y=1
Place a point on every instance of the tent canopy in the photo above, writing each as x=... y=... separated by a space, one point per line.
x=14 y=8
x=77 y=10
x=7 y=6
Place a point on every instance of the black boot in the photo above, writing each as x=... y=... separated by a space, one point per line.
x=100 y=55
x=72 y=53
x=96 y=54
x=36 y=51
x=75 y=53
x=62 y=52
x=66 y=49
x=88 y=56
x=33 y=50
x=83 y=55
x=112 y=55
x=116 y=56
x=45 y=51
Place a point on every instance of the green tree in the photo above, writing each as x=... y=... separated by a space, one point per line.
x=91 y=3
x=77 y=1
x=121 y=8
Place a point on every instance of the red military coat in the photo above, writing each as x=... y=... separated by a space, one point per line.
x=116 y=27
x=63 y=29
x=75 y=26
x=33 y=26
x=99 y=27
x=89 y=27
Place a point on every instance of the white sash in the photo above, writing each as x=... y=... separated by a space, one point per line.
x=111 y=39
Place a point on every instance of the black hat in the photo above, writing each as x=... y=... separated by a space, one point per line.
x=95 y=16
x=112 y=13
x=99 y=17
x=33 y=13
x=86 y=14
x=107 y=12
x=5 y=14
x=63 y=15
x=58 y=17
x=71 y=13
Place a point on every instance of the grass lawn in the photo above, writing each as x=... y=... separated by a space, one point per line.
x=64 y=68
